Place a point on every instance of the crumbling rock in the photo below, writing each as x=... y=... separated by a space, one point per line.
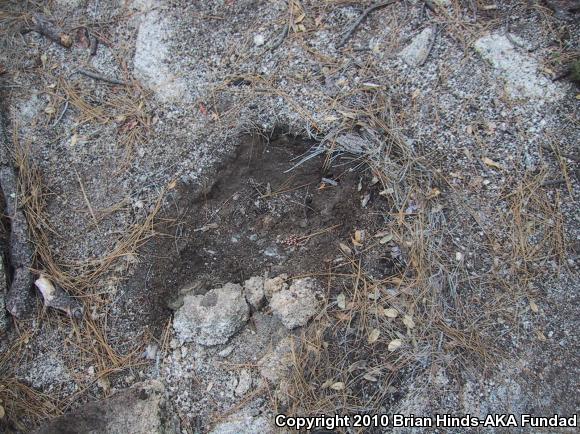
x=254 y=291
x=417 y=51
x=211 y=319
x=297 y=304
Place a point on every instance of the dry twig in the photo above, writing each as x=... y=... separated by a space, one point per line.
x=46 y=28
x=98 y=76
x=352 y=28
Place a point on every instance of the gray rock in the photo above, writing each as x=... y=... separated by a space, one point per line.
x=211 y=319
x=151 y=60
x=139 y=410
x=297 y=304
x=417 y=51
x=254 y=291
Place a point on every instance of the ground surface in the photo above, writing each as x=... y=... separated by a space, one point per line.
x=422 y=170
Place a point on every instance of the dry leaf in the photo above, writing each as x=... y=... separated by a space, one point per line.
x=534 y=306
x=434 y=193
x=396 y=280
x=408 y=321
x=395 y=344
x=345 y=248
x=369 y=377
x=104 y=383
x=387 y=192
x=326 y=384
x=489 y=162
x=343 y=316
x=341 y=300
x=46 y=288
x=386 y=239
x=365 y=200
x=391 y=312
x=374 y=336
x=378 y=311
x=206 y=228
x=338 y=386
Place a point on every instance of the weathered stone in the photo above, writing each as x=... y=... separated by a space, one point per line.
x=151 y=61
x=520 y=71
x=254 y=291
x=417 y=51
x=211 y=319
x=138 y=410
x=297 y=304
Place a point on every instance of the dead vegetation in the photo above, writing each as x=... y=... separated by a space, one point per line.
x=89 y=344
x=19 y=403
x=445 y=307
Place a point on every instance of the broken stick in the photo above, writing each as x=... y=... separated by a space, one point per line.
x=19 y=298
x=352 y=28
x=46 y=28
x=98 y=76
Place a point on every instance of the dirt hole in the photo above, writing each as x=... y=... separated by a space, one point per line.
x=257 y=216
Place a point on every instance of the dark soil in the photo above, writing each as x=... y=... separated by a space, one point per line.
x=234 y=229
